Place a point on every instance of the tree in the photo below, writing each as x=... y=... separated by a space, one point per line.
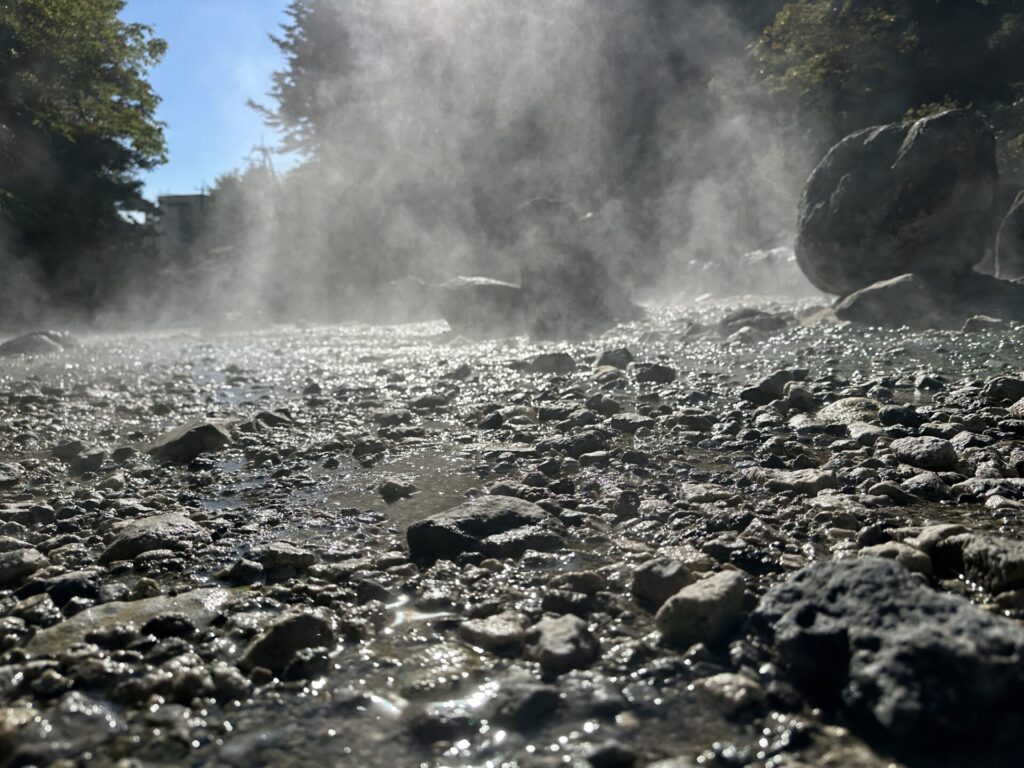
x=77 y=125
x=845 y=65
x=308 y=92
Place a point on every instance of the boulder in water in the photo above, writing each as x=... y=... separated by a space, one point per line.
x=913 y=197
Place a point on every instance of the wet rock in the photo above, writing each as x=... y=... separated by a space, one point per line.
x=997 y=564
x=630 y=422
x=552 y=362
x=17 y=564
x=524 y=704
x=911 y=558
x=772 y=387
x=492 y=525
x=186 y=442
x=10 y=475
x=733 y=694
x=899 y=198
x=611 y=754
x=809 y=482
x=931 y=453
x=919 y=670
x=576 y=445
x=703 y=612
x=395 y=489
x=277 y=646
x=37 y=343
x=616 y=358
x=849 y=410
x=501 y=633
x=657 y=580
x=242 y=571
x=278 y=556
x=200 y=606
x=982 y=324
x=561 y=644
x=928 y=486
x=171 y=531
x=655 y=373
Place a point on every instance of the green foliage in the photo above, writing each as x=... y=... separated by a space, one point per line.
x=843 y=65
x=77 y=125
x=308 y=92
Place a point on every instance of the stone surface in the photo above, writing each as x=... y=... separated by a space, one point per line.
x=19 y=563
x=997 y=564
x=200 y=606
x=172 y=531
x=184 y=443
x=899 y=198
x=277 y=645
x=561 y=644
x=1010 y=242
x=918 y=669
x=930 y=453
x=657 y=580
x=703 y=612
x=501 y=633
x=487 y=525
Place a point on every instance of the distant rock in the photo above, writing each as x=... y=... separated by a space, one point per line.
x=495 y=526
x=911 y=667
x=184 y=443
x=480 y=306
x=38 y=343
x=552 y=362
x=912 y=197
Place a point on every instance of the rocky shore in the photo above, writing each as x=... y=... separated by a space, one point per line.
x=719 y=536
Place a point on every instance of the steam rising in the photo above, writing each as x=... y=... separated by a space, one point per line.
x=441 y=117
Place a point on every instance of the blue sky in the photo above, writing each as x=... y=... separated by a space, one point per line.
x=219 y=56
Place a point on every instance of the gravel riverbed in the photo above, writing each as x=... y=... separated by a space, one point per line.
x=727 y=535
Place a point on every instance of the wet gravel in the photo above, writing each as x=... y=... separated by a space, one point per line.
x=705 y=538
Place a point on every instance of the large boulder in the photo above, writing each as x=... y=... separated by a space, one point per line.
x=913 y=197
x=1010 y=242
x=913 y=668
x=38 y=343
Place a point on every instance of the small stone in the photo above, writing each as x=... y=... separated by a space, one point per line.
x=931 y=453
x=501 y=633
x=911 y=558
x=657 y=580
x=704 y=611
x=561 y=644
x=552 y=362
x=186 y=442
x=19 y=563
x=168 y=531
x=394 y=489
x=276 y=646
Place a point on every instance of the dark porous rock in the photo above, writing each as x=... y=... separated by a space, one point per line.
x=496 y=526
x=1010 y=242
x=561 y=644
x=930 y=453
x=552 y=362
x=906 y=197
x=913 y=668
x=189 y=440
x=172 y=531
x=278 y=645
x=920 y=301
x=997 y=564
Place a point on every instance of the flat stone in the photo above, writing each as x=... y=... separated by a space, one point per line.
x=19 y=563
x=561 y=644
x=184 y=443
x=704 y=611
x=501 y=633
x=172 y=531
x=932 y=453
x=200 y=606
x=809 y=482
x=486 y=525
